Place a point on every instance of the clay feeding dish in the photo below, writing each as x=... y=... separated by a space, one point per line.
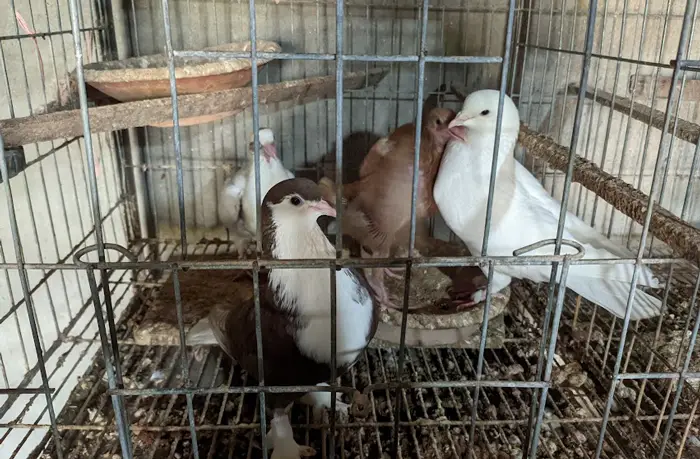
x=433 y=320
x=147 y=77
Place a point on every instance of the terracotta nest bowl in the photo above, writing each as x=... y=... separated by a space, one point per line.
x=147 y=77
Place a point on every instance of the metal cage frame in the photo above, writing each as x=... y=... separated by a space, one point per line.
x=101 y=268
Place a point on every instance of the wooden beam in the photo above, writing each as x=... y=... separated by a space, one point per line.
x=684 y=130
x=679 y=235
x=66 y=124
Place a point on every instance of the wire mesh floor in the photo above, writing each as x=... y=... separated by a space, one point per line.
x=435 y=422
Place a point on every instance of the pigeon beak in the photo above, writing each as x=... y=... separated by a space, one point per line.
x=457 y=127
x=322 y=207
x=270 y=152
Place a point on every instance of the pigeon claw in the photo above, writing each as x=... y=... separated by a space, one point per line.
x=306 y=451
x=464 y=305
x=389 y=272
x=199 y=353
x=390 y=303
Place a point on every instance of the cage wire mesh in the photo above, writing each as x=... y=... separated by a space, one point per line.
x=96 y=229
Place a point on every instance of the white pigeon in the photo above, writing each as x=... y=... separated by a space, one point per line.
x=523 y=212
x=237 y=197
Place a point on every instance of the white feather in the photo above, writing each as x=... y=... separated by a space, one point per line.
x=524 y=213
x=230 y=199
x=298 y=237
x=281 y=439
x=270 y=175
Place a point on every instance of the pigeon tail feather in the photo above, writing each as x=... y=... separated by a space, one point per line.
x=613 y=295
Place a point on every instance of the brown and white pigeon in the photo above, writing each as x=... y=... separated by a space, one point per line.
x=295 y=309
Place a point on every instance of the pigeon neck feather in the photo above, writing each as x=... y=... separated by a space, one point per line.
x=300 y=238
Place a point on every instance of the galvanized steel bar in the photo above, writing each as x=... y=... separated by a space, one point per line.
x=499 y=121
x=480 y=359
x=351 y=425
x=92 y=178
x=258 y=214
x=424 y=262
x=420 y=80
x=608 y=126
x=343 y=57
x=339 y=70
x=177 y=142
x=184 y=361
x=29 y=390
x=349 y=390
x=573 y=146
x=261 y=361
x=647 y=138
x=87 y=138
x=334 y=358
x=121 y=416
x=508 y=41
x=550 y=359
x=22 y=273
x=573 y=52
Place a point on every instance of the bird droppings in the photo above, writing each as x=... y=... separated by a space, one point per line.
x=157 y=377
x=513 y=370
x=623 y=391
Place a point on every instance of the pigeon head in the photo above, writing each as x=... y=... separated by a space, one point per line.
x=480 y=114
x=290 y=212
x=268 y=151
x=296 y=201
x=437 y=121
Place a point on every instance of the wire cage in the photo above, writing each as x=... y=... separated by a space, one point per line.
x=107 y=211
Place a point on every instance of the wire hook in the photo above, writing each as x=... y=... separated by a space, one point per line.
x=581 y=251
x=108 y=246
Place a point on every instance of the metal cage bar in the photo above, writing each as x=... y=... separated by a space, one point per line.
x=624 y=368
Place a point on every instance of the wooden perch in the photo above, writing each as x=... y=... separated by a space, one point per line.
x=66 y=124
x=690 y=132
x=682 y=237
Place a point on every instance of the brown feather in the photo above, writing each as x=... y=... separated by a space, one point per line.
x=383 y=193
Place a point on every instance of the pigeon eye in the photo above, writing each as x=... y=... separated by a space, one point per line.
x=296 y=200
x=485 y=112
